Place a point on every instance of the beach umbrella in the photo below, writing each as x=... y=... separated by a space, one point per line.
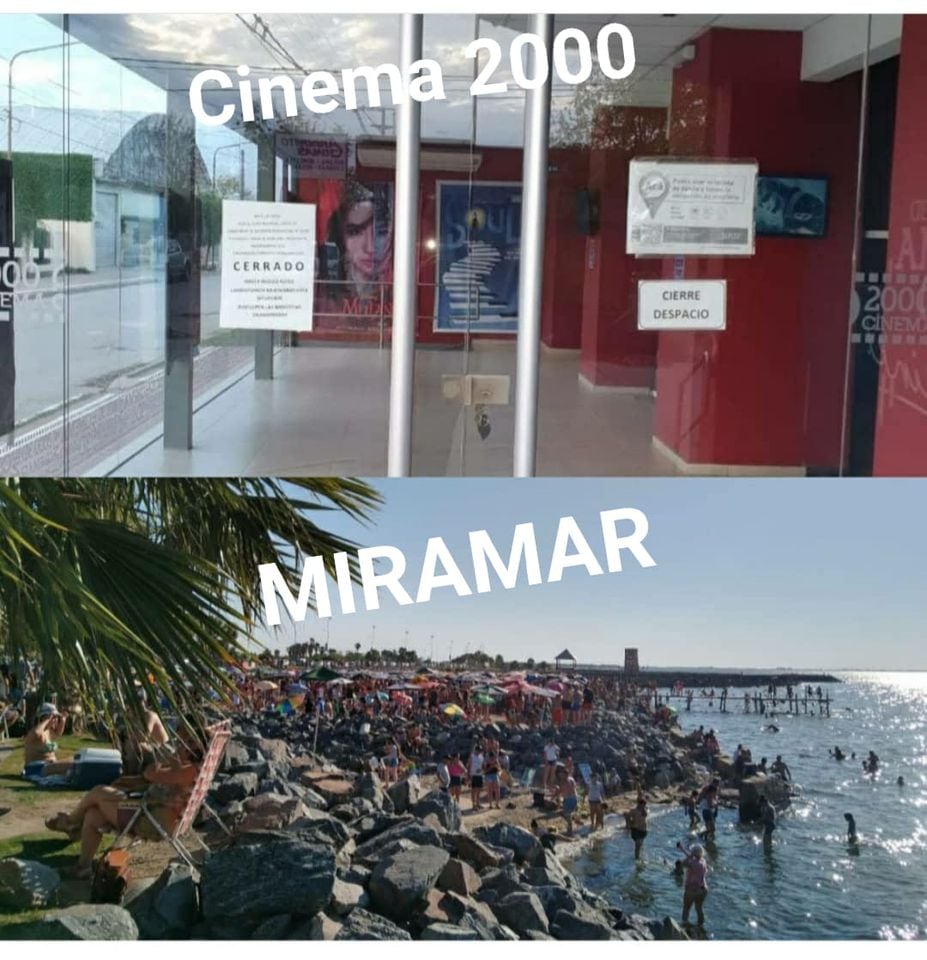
x=452 y=710
x=485 y=698
x=401 y=697
x=297 y=688
x=320 y=673
x=265 y=685
x=554 y=685
x=382 y=696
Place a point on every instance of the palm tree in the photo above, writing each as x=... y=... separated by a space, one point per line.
x=113 y=584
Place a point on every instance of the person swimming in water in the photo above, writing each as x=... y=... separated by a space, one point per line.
x=852 y=836
x=871 y=763
x=838 y=754
x=900 y=781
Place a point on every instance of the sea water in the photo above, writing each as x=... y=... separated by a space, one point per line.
x=811 y=884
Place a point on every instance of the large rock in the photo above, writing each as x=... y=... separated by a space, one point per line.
x=369 y=787
x=275 y=750
x=474 y=852
x=335 y=788
x=459 y=877
x=316 y=826
x=274 y=928
x=461 y=909
x=775 y=789
x=524 y=843
x=449 y=931
x=236 y=787
x=26 y=884
x=264 y=878
x=85 y=921
x=440 y=805
x=418 y=833
x=166 y=908
x=404 y=793
x=398 y=882
x=555 y=898
x=363 y=925
x=347 y=896
x=523 y=912
x=270 y=811
x=569 y=926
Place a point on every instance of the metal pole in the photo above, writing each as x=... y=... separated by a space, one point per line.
x=531 y=267
x=405 y=250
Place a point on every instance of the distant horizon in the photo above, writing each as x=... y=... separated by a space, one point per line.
x=654 y=666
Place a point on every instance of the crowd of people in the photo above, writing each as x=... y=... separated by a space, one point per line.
x=481 y=779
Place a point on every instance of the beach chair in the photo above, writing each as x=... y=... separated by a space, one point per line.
x=219 y=738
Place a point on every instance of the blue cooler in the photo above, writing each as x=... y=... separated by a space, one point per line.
x=34 y=770
x=94 y=766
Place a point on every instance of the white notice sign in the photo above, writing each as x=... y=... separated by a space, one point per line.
x=691 y=209
x=268 y=265
x=681 y=304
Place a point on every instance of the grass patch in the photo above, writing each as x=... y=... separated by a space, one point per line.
x=54 y=850
x=16 y=791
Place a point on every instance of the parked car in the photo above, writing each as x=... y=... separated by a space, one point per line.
x=178 y=262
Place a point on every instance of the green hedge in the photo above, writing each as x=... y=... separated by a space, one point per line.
x=51 y=186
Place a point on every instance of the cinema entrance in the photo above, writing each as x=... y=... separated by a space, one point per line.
x=496 y=280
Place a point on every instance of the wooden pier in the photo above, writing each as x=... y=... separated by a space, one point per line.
x=816 y=703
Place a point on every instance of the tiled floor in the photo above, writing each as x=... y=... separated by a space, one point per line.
x=326 y=412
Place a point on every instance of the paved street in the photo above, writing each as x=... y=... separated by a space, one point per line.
x=111 y=330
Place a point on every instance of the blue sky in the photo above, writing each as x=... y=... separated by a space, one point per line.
x=750 y=573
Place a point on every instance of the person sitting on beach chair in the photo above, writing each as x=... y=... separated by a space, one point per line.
x=107 y=809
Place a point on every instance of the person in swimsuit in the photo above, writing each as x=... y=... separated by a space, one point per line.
x=709 y=800
x=457 y=771
x=852 y=835
x=596 y=799
x=566 y=789
x=108 y=810
x=391 y=761
x=491 y=771
x=768 y=819
x=551 y=756
x=39 y=743
x=695 y=887
x=637 y=824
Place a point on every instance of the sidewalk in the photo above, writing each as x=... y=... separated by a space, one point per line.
x=102 y=279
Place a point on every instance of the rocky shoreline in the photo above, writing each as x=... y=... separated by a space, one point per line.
x=322 y=850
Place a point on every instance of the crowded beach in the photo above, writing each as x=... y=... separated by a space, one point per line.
x=521 y=765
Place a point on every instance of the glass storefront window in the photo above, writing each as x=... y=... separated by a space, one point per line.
x=121 y=363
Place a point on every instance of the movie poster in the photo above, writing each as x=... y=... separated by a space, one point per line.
x=355 y=254
x=479 y=229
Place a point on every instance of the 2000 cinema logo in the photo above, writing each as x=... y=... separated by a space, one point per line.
x=20 y=279
x=890 y=315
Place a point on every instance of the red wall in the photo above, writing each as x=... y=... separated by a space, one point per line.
x=614 y=351
x=767 y=391
x=901 y=423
